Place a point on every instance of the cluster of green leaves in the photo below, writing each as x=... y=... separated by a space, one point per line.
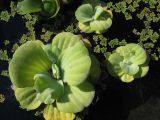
x=93 y=18
x=73 y=28
x=4 y=56
x=128 y=62
x=105 y=45
x=67 y=87
x=5 y=15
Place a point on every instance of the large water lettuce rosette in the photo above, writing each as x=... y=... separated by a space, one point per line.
x=54 y=74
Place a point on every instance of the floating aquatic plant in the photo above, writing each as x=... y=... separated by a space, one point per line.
x=48 y=8
x=93 y=19
x=54 y=74
x=128 y=62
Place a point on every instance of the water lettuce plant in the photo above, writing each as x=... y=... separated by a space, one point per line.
x=128 y=62
x=47 y=8
x=93 y=19
x=56 y=74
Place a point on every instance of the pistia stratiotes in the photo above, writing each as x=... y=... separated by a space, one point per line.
x=128 y=62
x=56 y=74
x=48 y=8
x=93 y=19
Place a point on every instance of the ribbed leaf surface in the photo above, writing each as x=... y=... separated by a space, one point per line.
x=28 y=60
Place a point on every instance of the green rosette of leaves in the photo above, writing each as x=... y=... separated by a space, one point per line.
x=93 y=19
x=128 y=62
x=56 y=74
x=48 y=8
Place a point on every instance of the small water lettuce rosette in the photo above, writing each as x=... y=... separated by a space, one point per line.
x=55 y=74
x=48 y=8
x=128 y=62
x=93 y=19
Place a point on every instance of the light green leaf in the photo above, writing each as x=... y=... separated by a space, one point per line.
x=46 y=96
x=142 y=71
x=100 y=26
x=85 y=13
x=30 y=6
x=130 y=69
x=99 y=10
x=85 y=27
x=75 y=66
x=52 y=113
x=92 y=2
x=133 y=52
x=27 y=97
x=113 y=64
x=56 y=71
x=48 y=88
x=28 y=60
x=52 y=52
x=76 y=98
x=51 y=7
x=127 y=78
x=65 y=40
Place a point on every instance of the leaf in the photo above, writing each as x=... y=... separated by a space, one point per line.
x=48 y=88
x=99 y=10
x=130 y=69
x=85 y=27
x=46 y=96
x=92 y=2
x=52 y=113
x=73 y=71
x=76 y=98
x=100 y=26
x=85 y=13
x=51 y=7
x=142 y=71
x=52 y=52
x=30 y=6
x=65 y=40
x=27 y=98
x=28 y=60
x=133 y=53
x=56 y=71
x=113 y=64
x=127 y=78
